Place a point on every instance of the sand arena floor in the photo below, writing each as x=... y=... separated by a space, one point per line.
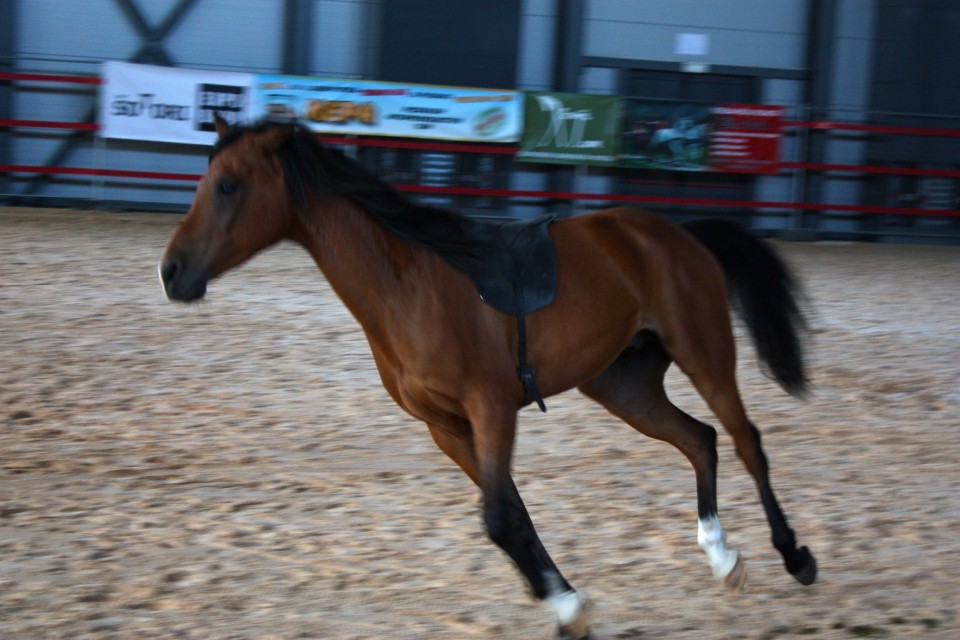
x=234 y=470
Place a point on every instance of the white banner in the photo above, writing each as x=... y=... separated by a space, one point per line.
x=165 y=104
x=366 y=107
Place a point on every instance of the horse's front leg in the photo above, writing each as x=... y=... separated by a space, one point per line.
x=486 y=460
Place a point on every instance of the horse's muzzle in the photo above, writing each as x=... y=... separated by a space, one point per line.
x=180 y=282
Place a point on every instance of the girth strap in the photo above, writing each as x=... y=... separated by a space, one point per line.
x=513 y=265
x=525 y=372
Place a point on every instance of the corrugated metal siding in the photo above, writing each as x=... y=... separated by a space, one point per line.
x=748 y=33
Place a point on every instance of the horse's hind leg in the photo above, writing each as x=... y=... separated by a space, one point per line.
x=724 y=400
x=632 y=389
x=711 y=367
x=510 y=527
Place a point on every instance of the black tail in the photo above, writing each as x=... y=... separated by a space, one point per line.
x=765 y=295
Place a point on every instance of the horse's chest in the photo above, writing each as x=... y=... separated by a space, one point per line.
x=413 y=393
x=429 y=404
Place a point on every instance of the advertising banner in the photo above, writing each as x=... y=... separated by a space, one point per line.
x=660 y=134
x=683 y=136
x=165 y=104
x=362 y=107
x=746 y=137
x=569 y=128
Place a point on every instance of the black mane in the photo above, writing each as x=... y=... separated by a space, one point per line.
x=311 y=167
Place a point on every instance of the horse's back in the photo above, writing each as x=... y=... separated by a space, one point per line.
x=641 y=246
x=625 y=270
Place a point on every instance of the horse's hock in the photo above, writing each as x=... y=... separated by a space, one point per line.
x=236 y=470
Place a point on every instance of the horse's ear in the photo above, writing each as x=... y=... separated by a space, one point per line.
x=223 y=127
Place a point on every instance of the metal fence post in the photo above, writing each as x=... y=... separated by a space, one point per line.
x=8 y=32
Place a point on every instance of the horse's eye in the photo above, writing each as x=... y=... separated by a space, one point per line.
x=227 y=187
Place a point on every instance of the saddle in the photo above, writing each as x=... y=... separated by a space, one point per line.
x=519 y=272
x=518 y=275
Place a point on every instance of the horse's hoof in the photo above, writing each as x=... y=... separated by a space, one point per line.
x=737 y=577
x=573 y=615
x=806 y=574
x=565 y=636
x=578 y=629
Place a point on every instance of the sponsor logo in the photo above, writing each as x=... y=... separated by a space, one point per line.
x=489 y=122
x=227 y=100
x=146 y=105
x=341 y=112
x=566 y=127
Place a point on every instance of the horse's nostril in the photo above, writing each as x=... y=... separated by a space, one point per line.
x=182 y=281
x=168 y=270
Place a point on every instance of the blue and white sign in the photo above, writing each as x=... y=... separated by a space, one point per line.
x=361 y=107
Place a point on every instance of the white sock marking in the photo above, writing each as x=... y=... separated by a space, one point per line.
x=566 y=604
x=713 y=541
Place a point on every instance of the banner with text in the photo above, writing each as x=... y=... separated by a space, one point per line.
x=685 y=136
x=570 y=128
x=362 y=107
x=165 y=104
x=746 y=137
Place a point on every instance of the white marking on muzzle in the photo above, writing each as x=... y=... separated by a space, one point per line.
x=163 y=285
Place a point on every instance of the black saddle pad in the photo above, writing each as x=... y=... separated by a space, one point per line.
x=518 y=272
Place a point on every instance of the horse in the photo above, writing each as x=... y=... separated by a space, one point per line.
x=633 y=294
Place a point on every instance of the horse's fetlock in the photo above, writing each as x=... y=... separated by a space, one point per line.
x=784 y=541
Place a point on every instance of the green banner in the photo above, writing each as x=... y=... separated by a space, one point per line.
x=570 y=128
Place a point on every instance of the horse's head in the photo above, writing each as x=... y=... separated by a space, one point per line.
x=241 y=206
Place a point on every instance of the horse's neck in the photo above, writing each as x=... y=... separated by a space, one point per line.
x=361 y=260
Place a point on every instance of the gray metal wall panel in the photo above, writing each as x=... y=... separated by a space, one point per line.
x=44 y=102
x=62 y=29
x=455 y=43
x=638 y=41
x=856 y=19
x=786 y=16
x=781 y=187
x=230 y=35
x=750 y=33
x=214 y=34
x=155 y=11
x=538 y=38
x=599 y=81
x=340 y=44
x=849 y=101
x=850 y=85
x=853 y=58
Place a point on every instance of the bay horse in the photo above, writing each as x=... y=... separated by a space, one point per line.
x=634 y=293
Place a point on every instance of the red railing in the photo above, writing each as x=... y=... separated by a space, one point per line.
x=90 y=171
x=46 y=77
x=510 y=150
